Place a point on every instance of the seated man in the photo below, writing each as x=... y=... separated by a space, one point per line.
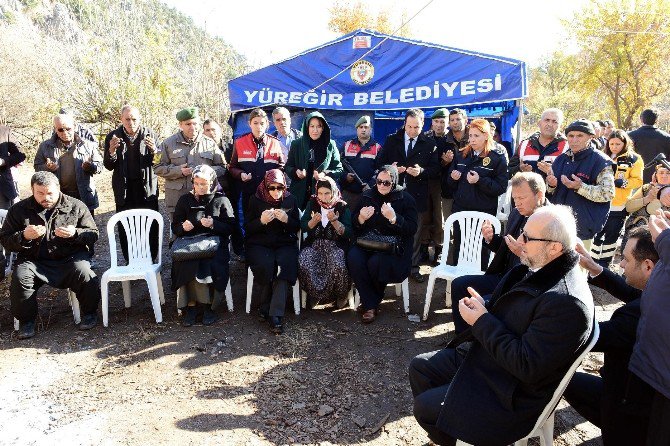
x=493 y=381
x=618 y=402
x=52 y=234
x=528 y=190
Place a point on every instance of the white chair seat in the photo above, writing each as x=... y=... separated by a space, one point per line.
x=127 y=272
x=401 y=289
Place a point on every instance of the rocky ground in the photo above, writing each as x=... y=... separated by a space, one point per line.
x=328 y=380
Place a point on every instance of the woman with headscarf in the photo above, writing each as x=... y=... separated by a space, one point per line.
x=311 y=157
x=272 y=249
x=322 y=262
x=386 y=214
x=202 y=282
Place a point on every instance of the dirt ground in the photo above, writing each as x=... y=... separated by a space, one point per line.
x=329 y=380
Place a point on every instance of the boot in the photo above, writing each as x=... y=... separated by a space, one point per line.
x=188 y=316
x=438 y=253
x=423 y=253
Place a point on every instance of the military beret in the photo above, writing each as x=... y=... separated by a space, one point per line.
x=187 y=113
x=365 y=119
x=440 y=113
x=581 y=125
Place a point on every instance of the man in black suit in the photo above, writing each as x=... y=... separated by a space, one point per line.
x=649 y=140
x=618 y=401
x=492 y=382
x=415 y=156
x=528 y=193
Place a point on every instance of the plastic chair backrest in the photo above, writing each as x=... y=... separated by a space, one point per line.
x=470 y=223
x=137 y=223
x=558 y=393
x=505 y=203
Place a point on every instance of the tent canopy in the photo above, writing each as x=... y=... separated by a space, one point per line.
x=392 y=75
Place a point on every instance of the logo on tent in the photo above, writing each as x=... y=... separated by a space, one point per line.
x=362 y=72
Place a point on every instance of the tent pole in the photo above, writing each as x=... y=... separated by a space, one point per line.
x=519 y=123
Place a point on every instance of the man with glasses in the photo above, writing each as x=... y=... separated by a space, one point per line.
x=72 y=159
x=518 y=346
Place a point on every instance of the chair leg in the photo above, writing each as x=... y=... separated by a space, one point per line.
x=405 y=294
x=448 y=298
x=74 y=303
x=152 y=283
x=229 y=296
x=429 y=296
x=250 y=285
x=16 y=324
x=547 y=431
x=296 y=297
x=126 y=292
x=159 y=281
x=104 y=292
x=352 y=301
x=303 y=295
x=398 y=290
x=357 y=299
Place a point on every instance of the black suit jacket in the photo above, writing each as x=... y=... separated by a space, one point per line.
x=11 y=155
x=649 y=142
x=424 y=153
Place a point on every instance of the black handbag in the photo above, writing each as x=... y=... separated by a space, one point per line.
x=202 y=246
x=374 y=241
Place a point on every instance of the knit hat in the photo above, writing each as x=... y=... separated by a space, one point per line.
x=581 y=125
x=187 y=113
x=363 y=120
x=440 y=113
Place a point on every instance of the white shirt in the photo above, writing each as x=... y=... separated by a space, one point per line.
x=407 y=138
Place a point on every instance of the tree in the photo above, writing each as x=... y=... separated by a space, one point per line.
x=347 y=16
x=624 y=49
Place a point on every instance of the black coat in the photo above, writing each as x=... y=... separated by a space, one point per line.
x=424 y=153
x=534 y=330
x=67 y=211
x=11 y=155
x=119 y=165
x=617 y=338
x=406 y=225
x=275 y=234
x=649 y=142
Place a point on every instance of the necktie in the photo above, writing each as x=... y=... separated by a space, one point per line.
x=409 y=146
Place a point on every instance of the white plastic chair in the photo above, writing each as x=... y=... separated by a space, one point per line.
x=469 y=256
x=400 y=289
x=250 y=285
x=137 y=224
x=544 y=426
x=11 y=257
x=505 y=204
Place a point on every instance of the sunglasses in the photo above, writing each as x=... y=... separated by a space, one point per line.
x=63 y=129
x=386 y=183
x=276 y=187
x=527 y=239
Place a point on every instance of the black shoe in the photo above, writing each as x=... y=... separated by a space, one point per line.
x=417 y=277
x=423 y=253
x=93 y=263
x=438 y=253
x=263 y=316
x=209 y=317
x=26 y=330
x=188 y=316
x=276 y=325
x=89 y=321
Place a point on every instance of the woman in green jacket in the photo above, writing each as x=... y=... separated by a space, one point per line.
x=311 y=157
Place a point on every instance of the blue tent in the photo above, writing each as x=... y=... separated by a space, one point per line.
x=367 y=72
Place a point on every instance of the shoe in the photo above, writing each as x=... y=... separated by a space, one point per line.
x=276 y=325
x=263 y=316
x=188 y=316
x=369 y=316
x=93 y=263
x=209 y=317
x=438 y=253
x=423 y=253
x=417 y=277
x=89 y=321
x=26 y=330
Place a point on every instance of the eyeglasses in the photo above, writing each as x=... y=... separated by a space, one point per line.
x=386 y=183
x=63 y=129
x=276 y=187
x=527 y=239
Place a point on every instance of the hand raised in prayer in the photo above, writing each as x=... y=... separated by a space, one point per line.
x=487 y=231
x=34 y=231
x=187 y=226
x=207 y=222
x=281 y=215
x=65 y=231
x=300 y=173
x=267 y=216
x=473 y=177
x=575 y=183
x=388 y=211
x=471 y=308
x=365 y=213
x=455 y=175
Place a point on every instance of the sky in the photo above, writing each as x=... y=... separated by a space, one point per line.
x=269 y=31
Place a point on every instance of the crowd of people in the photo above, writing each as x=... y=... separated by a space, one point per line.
x=293 y=206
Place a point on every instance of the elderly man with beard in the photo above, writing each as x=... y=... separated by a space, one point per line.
x=52 y=234
x=528 y=193
x=181 y=152
x=493 y=380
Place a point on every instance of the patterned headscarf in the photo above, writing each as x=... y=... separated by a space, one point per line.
x=328 y=183
x=205 y=172
x=272 y=176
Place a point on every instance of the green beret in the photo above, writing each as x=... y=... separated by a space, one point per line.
x=187 y=113
x=440 y=113
x=365 y=119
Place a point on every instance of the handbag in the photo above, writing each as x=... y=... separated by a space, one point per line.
x=202 y=246
x=374 y=241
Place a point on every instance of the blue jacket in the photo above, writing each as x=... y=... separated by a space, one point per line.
x=651 y=354
x=85 y=151
x=483 y=195
x=587 y=165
